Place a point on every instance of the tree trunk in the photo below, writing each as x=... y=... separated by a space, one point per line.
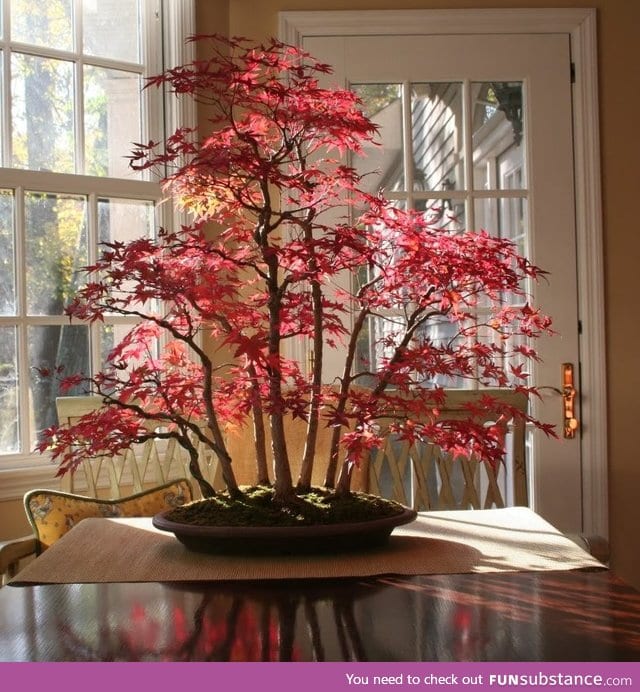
x=308 y=457
x=224 y=459
x=206 y=488
x=283 y=482
x=332 y=465
x=281 y=469
x=259 y=435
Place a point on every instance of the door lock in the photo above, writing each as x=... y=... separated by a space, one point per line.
x=570 y=422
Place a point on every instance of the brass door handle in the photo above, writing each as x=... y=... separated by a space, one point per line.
x=570 y=422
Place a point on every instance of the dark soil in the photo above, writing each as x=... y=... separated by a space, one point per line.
x=257 y=507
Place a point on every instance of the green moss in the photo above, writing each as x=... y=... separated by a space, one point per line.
x=257 y=507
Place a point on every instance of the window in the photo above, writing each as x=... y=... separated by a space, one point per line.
x=72 y=105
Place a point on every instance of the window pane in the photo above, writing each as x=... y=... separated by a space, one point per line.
x=7 y=255
x=497 y=136
x=50 y=347
x=436 y=140
x=56 y=248
x=43 y=23
x=112 y=29
x=42 y=111
x=112 y=103
x=383 y=104
x=125 y=219
x=9 y=412
x=110 y=335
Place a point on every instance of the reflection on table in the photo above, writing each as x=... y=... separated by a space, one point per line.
x=518 y=616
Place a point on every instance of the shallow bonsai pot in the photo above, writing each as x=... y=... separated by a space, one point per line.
x=284 y=540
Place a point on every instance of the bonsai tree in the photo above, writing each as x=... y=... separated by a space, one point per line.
x=279 y=215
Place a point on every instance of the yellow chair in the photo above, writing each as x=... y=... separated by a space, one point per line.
x=12 y=553
x=52 y=513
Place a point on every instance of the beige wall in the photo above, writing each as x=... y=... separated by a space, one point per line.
x=619 y=69
x=13 y=520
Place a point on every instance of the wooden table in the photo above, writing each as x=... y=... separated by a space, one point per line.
x=515 y=616
x=488 y=585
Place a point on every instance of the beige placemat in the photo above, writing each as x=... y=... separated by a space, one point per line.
x=131 y=550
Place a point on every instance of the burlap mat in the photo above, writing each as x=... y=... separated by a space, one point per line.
x=131 y=550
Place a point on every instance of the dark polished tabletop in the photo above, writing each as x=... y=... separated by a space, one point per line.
x=515 y=616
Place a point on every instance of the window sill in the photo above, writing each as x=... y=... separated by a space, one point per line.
x=25 y=474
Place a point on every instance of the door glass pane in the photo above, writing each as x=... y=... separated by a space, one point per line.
x=436 y=140
x=9 y=411
x=437 y=161
x=7 y=255
x=108 y=37
x=512 y=218
x=382 y=103
x=112 y=107
x=52 y=346
x=56 y=249
x=47 y=24
x=498 y=129
x=42 y=112
x=442 y=335
x=447 y=214
x=506 y=217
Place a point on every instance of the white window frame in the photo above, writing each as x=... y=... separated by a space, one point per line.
x=21 y=472
x=580 y=26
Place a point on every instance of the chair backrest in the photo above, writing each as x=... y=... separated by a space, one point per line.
x=52 y=513
x=423 y=476
x=154 y=462
x=418 y=475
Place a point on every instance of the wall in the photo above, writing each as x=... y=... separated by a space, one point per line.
x=619 y=71
x=13 y=520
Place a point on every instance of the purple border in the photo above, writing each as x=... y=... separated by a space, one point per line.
x=316 y=677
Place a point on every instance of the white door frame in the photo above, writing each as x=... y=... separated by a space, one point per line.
x=580 y=26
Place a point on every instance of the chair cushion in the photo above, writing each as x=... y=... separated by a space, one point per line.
x=52 y=513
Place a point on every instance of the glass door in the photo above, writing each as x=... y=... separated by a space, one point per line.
x=475 y=131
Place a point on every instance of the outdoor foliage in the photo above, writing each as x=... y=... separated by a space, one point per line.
x=290 y=218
